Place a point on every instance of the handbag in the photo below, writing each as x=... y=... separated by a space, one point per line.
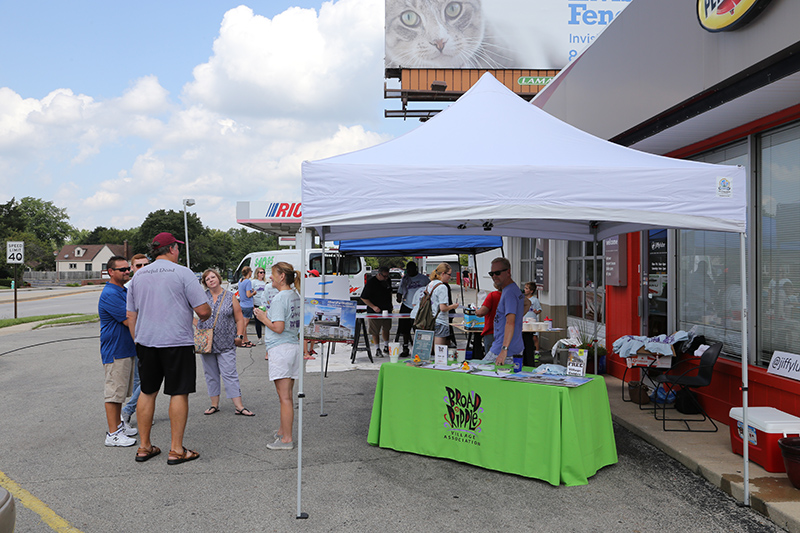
x=204 y=337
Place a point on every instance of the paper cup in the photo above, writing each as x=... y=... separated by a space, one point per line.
x=461 y=356
x=394 y=352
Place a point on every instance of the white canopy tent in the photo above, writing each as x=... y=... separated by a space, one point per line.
x=492 y=164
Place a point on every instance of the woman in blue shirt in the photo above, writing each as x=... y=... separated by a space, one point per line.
x=283 y=344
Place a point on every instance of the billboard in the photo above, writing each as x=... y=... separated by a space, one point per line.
x=493 y=34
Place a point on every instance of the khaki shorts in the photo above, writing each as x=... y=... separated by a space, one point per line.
x=377 y=324
x=119 y=380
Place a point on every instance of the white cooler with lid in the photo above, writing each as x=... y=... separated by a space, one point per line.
x=766 y=426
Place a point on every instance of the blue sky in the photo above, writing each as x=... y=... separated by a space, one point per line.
x=114 y=110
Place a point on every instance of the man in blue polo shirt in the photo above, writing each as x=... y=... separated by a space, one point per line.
x=117 y=350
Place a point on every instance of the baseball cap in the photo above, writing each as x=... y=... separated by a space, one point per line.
x=165 y=238
x=314 y=272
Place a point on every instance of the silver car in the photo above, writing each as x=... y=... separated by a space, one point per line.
x=8 y=513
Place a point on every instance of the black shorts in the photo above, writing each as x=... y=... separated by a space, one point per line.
x=175 y=366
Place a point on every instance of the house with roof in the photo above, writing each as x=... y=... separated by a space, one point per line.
x=88 y=257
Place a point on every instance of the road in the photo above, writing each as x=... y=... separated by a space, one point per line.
x=48 y=302
x=51 y=444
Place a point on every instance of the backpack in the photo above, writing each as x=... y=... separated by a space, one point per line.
x=425 y=319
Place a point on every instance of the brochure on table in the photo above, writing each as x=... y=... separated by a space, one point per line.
x=423 y=344
x=576 y=364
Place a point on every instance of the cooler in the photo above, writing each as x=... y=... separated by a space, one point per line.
x=766 y=426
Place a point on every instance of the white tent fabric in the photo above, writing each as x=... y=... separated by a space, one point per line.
x=493 y=162
x=492 y=157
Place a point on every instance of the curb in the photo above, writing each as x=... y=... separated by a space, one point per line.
x=733 y=488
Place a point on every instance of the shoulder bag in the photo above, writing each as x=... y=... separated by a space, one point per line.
x=204 y=337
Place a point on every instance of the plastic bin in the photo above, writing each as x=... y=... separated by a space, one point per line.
x=767 y=426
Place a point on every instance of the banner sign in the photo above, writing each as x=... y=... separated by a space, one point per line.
x=785 y=364
x=493 y=34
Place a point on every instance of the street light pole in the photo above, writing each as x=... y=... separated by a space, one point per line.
x=187 y=202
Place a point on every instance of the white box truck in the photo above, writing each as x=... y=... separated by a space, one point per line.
x=335 y=264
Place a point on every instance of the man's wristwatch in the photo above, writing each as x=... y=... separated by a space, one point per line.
x=504 y=348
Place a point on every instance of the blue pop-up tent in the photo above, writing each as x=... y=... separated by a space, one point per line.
x=420 y=245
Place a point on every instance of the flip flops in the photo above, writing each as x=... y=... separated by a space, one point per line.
x=211 y=410
x=248 y=344
x=185 y=456
x=149 y=454
x=242 y=412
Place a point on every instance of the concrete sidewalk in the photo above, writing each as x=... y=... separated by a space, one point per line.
x=29 y=294
x=710 y=455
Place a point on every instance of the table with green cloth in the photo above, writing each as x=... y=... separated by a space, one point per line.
x=557 y=434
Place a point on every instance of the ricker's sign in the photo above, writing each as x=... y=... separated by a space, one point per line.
x=726 y=15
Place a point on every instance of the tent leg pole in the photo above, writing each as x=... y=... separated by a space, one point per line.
x=745 y=368
x=321 y=363
x=596 y=306
x=300 y=393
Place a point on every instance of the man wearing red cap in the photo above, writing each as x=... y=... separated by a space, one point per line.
x=162 y=300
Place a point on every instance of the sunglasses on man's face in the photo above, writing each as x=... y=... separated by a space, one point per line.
x=123 y=269
x=494 y=273
x=139 y=265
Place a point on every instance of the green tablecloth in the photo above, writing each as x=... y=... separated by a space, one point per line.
x=557 y=434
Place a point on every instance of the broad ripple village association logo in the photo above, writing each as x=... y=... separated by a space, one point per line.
x=462 y=419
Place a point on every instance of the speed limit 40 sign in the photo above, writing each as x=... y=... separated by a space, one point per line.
x=15 y=252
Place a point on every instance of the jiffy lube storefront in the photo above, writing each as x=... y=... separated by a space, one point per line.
x=715 y=81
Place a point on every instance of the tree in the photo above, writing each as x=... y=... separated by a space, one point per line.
x=246 y=241
x=103 y=235
x=211 y=249
x=171 y=221
x=49 y=223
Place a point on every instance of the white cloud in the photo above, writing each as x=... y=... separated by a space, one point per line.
x=275 y=92
x=300 y=63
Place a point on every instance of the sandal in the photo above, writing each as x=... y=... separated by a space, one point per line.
x=248 y=344
x=309 y=357
x=242 y=412
x=148 y=454
x=187 y=455
x=211 y=410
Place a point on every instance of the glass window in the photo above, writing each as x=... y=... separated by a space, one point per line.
x=87 y=267
x=709 y=278
x=581 y=281
x=779 y=251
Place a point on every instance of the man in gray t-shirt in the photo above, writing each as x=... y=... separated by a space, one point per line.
x=162 y=300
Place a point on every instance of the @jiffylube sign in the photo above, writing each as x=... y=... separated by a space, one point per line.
x=725 y=15
x=785 y=364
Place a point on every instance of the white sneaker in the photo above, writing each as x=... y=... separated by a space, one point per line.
x=127 y=429
x=118 y=438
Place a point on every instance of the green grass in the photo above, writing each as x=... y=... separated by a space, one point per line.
x=75 y=319
x=5 y=322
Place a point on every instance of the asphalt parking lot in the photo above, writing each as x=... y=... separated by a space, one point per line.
x=51 y=445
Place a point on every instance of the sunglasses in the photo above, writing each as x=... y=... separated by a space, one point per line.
x=140 y=265
x=494 y=273
x=123 y=269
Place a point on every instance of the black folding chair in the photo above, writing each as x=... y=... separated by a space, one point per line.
x=695 y=377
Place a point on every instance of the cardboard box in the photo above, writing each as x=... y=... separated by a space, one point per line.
x=472 y=321
x=765 y=426
x=646 y=359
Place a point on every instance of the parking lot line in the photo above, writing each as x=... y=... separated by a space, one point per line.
x=36 y=505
